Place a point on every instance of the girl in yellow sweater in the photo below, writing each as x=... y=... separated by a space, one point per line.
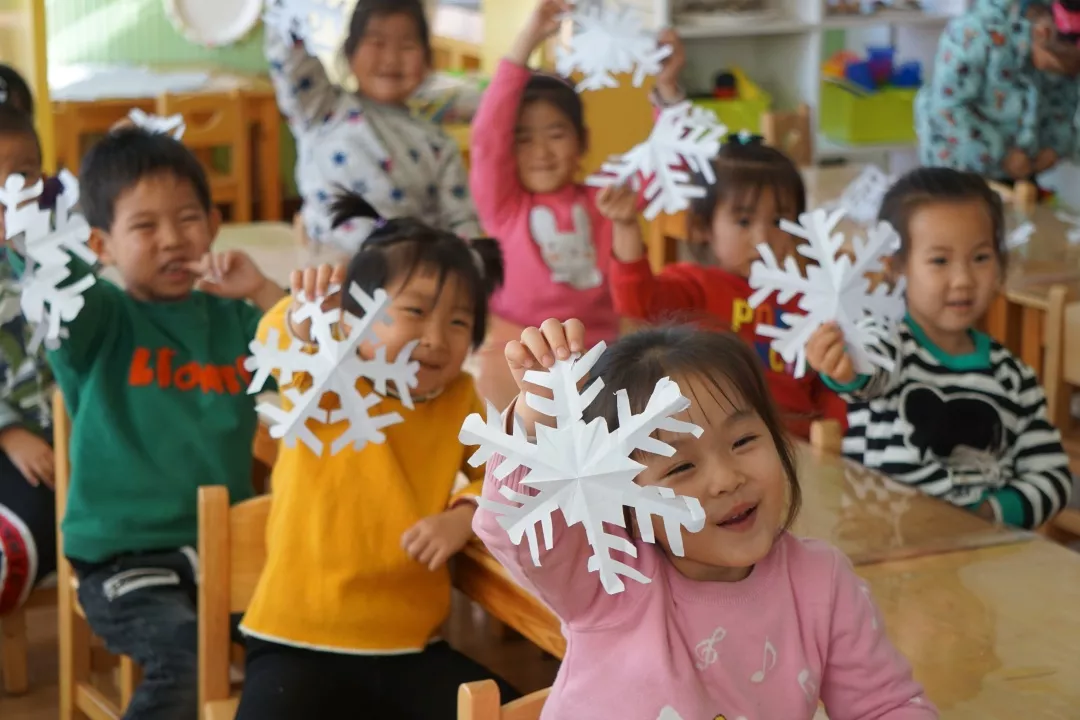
x=355 y=585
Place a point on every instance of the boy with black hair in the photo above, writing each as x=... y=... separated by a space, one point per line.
x=154 y=380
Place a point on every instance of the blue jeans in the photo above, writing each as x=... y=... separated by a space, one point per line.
x=143 y=606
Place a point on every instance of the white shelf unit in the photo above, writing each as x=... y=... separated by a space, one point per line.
x=784 y=52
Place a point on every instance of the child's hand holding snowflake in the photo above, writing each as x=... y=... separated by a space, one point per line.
x=618 y=203
x=542 y=24
x=826 y=353
x=318 y=283
x=538 y=349
x=233 y=274
x=667 y=80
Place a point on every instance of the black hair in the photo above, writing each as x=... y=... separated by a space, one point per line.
x=560 y=94
x=742 y=170
x=16 y=122
x=125 y=156
x=365 y=10
x=400 y=247
x=14 y=91
x=721 y=360
x=928 y=185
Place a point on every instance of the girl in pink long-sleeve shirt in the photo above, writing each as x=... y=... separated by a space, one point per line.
x=750 y=622
x=528 y=141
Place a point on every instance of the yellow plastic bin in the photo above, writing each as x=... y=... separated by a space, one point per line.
x=885 y=116
x=745 y=112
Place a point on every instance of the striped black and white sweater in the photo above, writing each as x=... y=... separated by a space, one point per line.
x=965 y=428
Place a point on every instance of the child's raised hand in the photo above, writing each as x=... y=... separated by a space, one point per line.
x=435 y=539
x=314 y=283
x=827 y=354
x=538 y=349
x=233 y=274
x=1017 y=164
x=542 y=24
x=618 y=204
x=667 y=80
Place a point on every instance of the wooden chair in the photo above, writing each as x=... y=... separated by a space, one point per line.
x=81 y=655
x=481 y=701
x=826 y=435
x=74 y=122
x=213 y=122
x=232 y=552
x=1022 y=196
x=14 y=647
x=790 y=133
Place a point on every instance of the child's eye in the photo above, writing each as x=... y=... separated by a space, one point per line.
x=938 y=261
x=983 y=257
x=679 y=469
x=414 y=311
x=744 y=441
x=744 y=222
x=462 y=323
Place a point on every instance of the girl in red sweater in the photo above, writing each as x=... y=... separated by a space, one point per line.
x=755 y=187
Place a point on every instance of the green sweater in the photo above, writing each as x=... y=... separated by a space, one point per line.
x=157 y=394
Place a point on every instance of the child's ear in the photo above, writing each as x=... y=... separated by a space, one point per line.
x=97 y=242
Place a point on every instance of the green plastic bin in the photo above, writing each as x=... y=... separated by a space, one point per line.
x=882 y=117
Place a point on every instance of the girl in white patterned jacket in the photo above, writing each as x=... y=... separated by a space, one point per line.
x=959 y=416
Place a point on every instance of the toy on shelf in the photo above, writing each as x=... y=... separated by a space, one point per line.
x=736 y=99
x=869 y=100
x=879 y=70
x=870 y=7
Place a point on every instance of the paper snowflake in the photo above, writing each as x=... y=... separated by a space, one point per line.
x=861 y=199
x=607 y=42
x=317 y=23
x=1073 y=221
x=334 y=366
x=47 y=239
x=684 y=140
x=585 y=470
x=1019 y=236
x=835 y=289
x=171 y=125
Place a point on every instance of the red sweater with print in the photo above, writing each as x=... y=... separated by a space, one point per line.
x=684 y=288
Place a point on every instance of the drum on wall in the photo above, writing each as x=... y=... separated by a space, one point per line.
x=214 y=23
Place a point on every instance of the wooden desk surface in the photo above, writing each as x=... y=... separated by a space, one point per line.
x=991 y=633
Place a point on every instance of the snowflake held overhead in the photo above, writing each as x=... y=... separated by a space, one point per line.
x=171 y=125
x=607 y=42
x=47 y=239
x=684 y=140
x=836 y=289
x=317 y=23
x=586 y=471
x=333 y=365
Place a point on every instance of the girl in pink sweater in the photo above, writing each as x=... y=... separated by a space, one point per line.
x=750 y=622
x=528 y=141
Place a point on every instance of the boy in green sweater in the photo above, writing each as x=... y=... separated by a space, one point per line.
x=154 y=381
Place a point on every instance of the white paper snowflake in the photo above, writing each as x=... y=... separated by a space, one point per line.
x=47 y=239
x=171 y=125
x=318 y=23
x=334 y=366
x=1020 y=235
x=607 y=42
x=861 y=199
x=1073 y=221
x=683 y=141
x=585 y=470
x=835 y=289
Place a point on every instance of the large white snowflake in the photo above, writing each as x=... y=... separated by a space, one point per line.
x=586 y=471
x=333 y=365
x=607 y=42
x=164 y=125
x=46 y=239
x=861 y=199
x=683 y=140
x=318 y=23
x=836 y=289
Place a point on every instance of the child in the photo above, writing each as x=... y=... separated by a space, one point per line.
x=959 y=417
x=755 y=187
x=154 y=381
x=750 y=621
x=27 y=504
x=367 y=142
x=528 y=141
x=998 y=103
x=356 y=585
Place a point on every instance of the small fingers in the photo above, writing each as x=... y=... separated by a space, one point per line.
x=518 y=356
x=555 y=335
x=296 y=282
x=537 y=348
x=322 y=283
x=575 y=335
x=438 y=559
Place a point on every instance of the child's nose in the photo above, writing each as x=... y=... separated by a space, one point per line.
x=434 y=336
x=723 y=478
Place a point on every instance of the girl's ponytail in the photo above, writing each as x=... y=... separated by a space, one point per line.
x=489 y=261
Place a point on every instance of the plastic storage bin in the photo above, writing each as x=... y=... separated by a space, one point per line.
x=744 y=113
x=885 y=116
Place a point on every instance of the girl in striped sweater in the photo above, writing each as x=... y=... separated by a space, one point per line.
x=959 y=416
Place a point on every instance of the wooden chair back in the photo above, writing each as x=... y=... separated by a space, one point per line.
x=826 y=435
x=791 y=133
x=212 y=122
x=232 y=553
x=481 y=701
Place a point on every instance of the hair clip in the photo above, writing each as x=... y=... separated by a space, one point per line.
x=745 y=137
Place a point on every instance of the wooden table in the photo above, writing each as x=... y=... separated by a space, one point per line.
x=991 y=632
x=73 y=119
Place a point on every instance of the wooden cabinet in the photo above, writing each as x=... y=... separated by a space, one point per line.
x=23 y=46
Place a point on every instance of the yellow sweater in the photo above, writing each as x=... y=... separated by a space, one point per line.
x=336 y=576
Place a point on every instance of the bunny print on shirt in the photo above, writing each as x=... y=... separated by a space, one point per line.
x=569 y=254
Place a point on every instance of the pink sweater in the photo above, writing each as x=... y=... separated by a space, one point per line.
x=800 y=628
x=508 y=212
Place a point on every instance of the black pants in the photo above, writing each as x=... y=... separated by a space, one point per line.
x=287 y=683
x=27 y=534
